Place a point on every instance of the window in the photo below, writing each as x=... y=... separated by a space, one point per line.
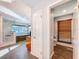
x=20 y=30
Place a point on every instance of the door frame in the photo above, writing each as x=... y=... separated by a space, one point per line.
x=75 y=16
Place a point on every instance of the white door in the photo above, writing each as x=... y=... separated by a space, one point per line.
x=37 y=35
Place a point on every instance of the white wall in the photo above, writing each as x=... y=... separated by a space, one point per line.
x=7 y=26
x=51 y=35
x=47 y=36
x=6 y=36
x=1 y=29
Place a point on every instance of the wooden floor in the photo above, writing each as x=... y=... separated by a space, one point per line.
x=19 y=53
x=62 y=52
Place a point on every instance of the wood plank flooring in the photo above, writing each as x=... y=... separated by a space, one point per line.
x=19 y=53
x=62 y=52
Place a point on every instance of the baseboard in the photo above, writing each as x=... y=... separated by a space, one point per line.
x=37 y=57
x=34 y=54
x=65 y=44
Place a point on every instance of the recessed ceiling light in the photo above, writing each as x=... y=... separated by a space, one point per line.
x=75 y=7
x=64 y=10
x=9 y=1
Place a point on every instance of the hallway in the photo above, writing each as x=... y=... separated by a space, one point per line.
x=19 y=53
x=62 y=52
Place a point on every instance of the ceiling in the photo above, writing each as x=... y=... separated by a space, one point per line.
x=18 y=7
x=22 y=5
x=23 y=8
x=37 y=4
x=64 y=9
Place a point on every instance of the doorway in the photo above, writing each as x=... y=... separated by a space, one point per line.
x=62 y=18
x=64 y=31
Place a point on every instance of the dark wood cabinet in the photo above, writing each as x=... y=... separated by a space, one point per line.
x=21 y=38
